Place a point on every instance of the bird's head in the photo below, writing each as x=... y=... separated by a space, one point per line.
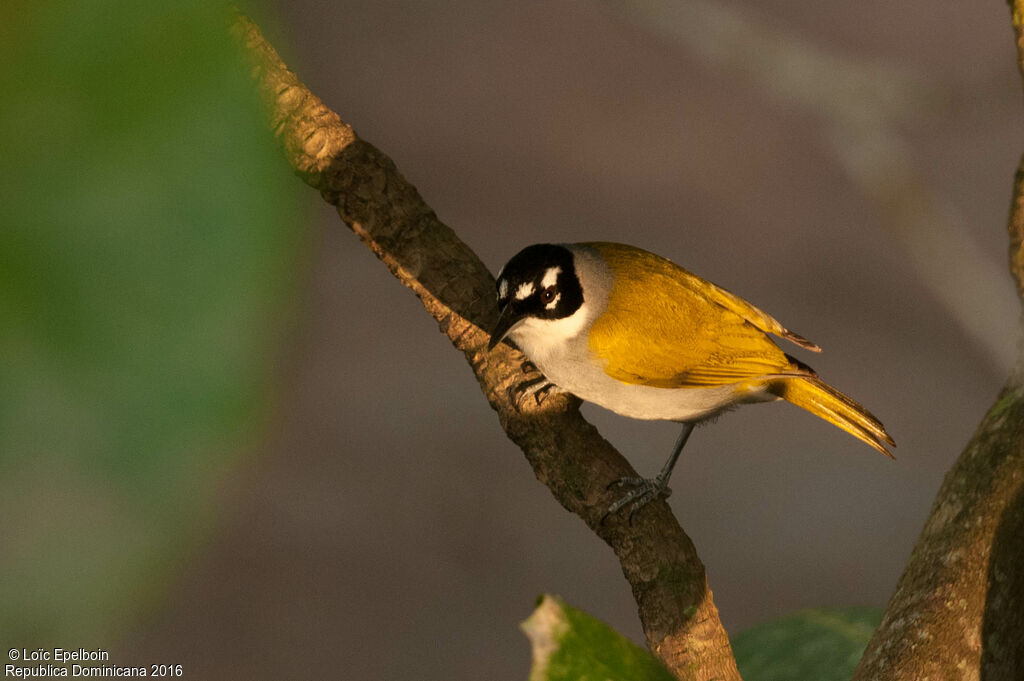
x=539 y=284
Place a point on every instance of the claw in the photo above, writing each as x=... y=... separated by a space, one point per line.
x=539 y=387
x=644 y=492
x=647 y=490
x=542 y=392
x=620 y=482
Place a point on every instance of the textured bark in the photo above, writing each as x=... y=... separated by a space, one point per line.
x=956 y=612
x=567 y=453
x=958 y=609
x=1016 y=222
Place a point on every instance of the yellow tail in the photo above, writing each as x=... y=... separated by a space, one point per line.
x=821 y=399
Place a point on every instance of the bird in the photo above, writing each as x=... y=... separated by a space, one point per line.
x=633 y=332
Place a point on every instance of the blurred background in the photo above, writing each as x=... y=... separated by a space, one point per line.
x=230 y=439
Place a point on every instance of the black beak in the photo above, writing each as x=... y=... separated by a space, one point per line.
x=506 y=320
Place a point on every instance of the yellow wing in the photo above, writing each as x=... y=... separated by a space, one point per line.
x=673 y=329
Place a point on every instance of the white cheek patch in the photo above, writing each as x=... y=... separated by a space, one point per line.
x=524 y=291
x=554 y=302
x=551 y=277
x=503 y=290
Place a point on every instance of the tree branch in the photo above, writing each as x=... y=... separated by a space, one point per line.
x=953 y=607
x=958 y=608
x=1015 y=224
x=567 y=453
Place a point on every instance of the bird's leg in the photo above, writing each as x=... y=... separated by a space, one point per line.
x=646 y=490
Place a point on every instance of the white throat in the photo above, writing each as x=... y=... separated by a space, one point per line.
x=543 y=339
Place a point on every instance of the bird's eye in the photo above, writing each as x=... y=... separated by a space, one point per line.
x=547 y=295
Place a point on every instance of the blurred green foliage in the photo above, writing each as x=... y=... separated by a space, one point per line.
x=811 y=645
x=149 y=239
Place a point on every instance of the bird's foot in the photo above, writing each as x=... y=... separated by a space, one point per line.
x=538 y=387
x=645 y=490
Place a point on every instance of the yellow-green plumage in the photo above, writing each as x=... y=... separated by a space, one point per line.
x=674 y=330
x=823 y=400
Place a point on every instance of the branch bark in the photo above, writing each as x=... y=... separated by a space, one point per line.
x=958 y=609
x=567 y=453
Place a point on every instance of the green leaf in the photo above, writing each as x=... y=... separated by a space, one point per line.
x=569 y=645
x=148 y=245
x=812 y=645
